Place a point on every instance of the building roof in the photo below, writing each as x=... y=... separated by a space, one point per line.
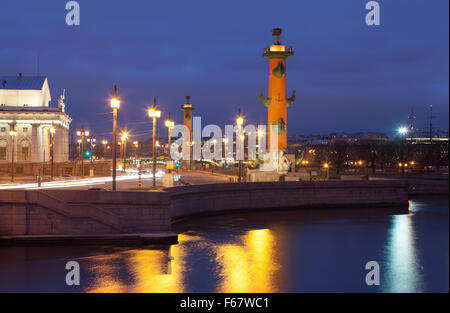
x=22 y=82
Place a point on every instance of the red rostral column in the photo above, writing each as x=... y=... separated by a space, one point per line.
x=187 y=119
x=277 y=103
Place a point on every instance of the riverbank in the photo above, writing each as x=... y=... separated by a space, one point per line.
x=322 y=250
x=52 y=216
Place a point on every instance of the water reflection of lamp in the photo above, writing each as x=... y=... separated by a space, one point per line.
x=159 y=270
x=248 y=266
x=403 y=270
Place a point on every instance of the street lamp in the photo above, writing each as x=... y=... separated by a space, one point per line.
x=239 y=123
x=79 y=148
x=13 y=134
x=326 y=166
x=115 y=105
x=52 y=133
x=124 y=147
x=92 y=146
x=260 y=133
x=154 y=113
x=82 y=133
x=93 y=150
x=136 y=145
x=170 y=125
x=105 y=143
x=225 y=142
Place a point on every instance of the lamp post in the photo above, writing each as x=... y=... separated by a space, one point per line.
x=124 y=148
x=225 y=142
x=136 y=145
x=170 y=125
x=120 y=143
x=105 y=143
x=239 y=123
x=260 y=133
x=403 y=131
x=79 y=148
x=115 y=105
x=13 y=134
x=92 y=141
x=326 y=166
x=93 y=149
x=154 y=113
x=52 y=133
x=82 y=133
x=214 y=141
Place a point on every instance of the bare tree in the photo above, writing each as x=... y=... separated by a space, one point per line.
x=338 y=154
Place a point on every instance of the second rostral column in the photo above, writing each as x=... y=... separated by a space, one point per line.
x=276 y=102
x=187 y=121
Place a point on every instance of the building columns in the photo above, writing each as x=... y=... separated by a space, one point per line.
x=58 y=148
x=34 y=143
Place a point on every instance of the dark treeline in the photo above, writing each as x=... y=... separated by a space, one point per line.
x=377 y=154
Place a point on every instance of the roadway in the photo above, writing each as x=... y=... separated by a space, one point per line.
x=123 y=182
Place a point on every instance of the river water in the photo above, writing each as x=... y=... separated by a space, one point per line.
x=277 y=251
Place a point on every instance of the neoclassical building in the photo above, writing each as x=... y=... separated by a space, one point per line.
x=24 y=107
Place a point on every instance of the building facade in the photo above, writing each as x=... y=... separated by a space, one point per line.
x=24 y=107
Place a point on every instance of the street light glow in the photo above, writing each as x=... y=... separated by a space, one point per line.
x=403 y=130
x=170 y=124
x=115 y=103
x=154 y=113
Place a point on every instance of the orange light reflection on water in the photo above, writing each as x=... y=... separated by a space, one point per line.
x=247 y=267
x=146 y=270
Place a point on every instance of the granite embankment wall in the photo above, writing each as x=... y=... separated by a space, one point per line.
x=215 y=198
x=82 y=212
x=427 y=187
x=65 y=212
x=421 y=186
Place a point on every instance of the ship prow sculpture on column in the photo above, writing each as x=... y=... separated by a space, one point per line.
x=276 y=162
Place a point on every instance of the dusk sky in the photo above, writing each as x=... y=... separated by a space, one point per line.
x=348 y=76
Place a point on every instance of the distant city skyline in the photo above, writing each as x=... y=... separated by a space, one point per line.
x=349 y=77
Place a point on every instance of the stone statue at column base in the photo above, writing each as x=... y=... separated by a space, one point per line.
x=61 y=104
x=275 y=167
